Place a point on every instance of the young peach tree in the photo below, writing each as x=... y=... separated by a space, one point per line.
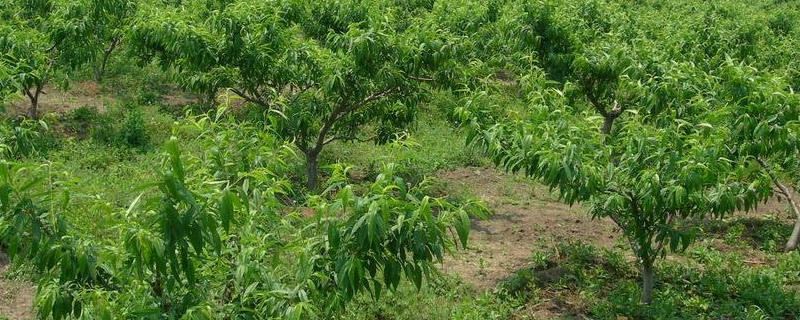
x=324 y=71
x=41 y=38
x=766 y=130
x=636 y=127
x=652 y=178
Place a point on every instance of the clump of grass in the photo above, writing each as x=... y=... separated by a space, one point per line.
x=704 y=284
x=432 y=145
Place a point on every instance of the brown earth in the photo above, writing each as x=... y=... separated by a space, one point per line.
x=86 y=93
x=525 y=217
x=528 y=217
x=55 y=100
x=16 y=297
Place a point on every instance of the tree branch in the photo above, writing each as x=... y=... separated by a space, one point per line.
x=421 y=79
x=783 y=189
x=588 y=85
x=298 y=94
x=342 y=109
x=28 y=93
x=251 y=99
x=351 y=138
x=370 y=98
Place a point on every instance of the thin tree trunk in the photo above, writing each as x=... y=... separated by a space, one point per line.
x=311 y=169
x=648 y=280
x=792 y=243
x=33 y=109
x=610 y=116
x=795 y=237
x=106 y=54
x=607 y=123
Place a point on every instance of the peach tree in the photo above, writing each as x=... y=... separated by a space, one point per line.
x=766 y=128
x=651 y=178
x=641 y=124
x=324 y=71
x=39 y=39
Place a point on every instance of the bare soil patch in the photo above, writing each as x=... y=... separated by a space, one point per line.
x=525 y=217
x=87 y=94
x=16 y=297
x=55 y=100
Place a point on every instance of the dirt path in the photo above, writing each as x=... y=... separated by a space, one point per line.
x=16 y=298
x=525 y=218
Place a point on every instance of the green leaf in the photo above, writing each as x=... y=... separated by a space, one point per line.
x=462 y=225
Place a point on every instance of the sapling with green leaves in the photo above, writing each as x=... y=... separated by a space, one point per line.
x=766 y=130
x=102 y=24
x=214 y=238
x=42 y=38
x=650 y=172
x=28 y=65
x=618 y=116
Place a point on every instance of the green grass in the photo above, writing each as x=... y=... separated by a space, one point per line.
x=703 y=283
x=432 y=145
x=446 y=297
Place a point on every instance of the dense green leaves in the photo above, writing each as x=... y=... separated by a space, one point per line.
x=217 y=240
x=334 y=70
x=39 y=38
x=653 y=114
x=639 y=124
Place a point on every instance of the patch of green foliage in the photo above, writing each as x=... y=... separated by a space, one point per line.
x=431 y=145
x=216 y=218
x=704 y=283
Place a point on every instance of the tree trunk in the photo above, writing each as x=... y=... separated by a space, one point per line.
x=783 y=190
x=610 y=116
x=33 y=110
x=607 y=123
x=648 y=280
x=101 y=70
x=311 y=169
x=795 y=237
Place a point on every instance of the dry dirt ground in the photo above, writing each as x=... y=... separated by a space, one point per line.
x=16 y=297
x=524 y=217
x=86 y=93
x=54 y=100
